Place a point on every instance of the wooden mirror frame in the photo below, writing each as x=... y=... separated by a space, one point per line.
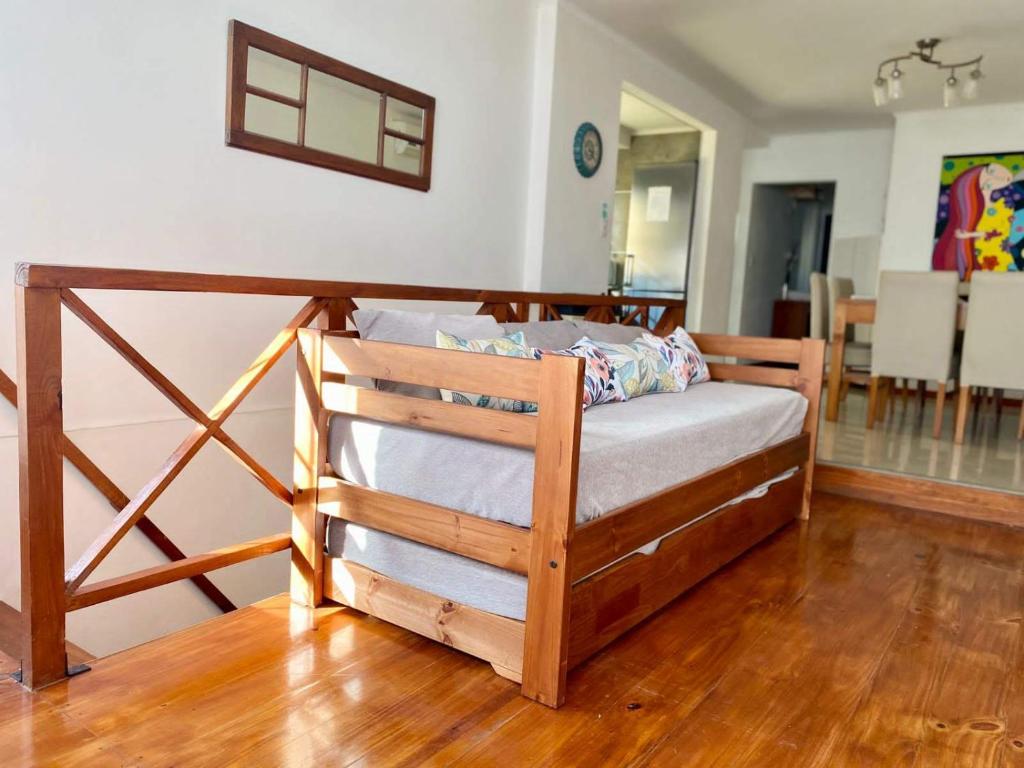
x=241 y=36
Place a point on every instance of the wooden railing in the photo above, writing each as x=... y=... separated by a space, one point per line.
x=48 y=592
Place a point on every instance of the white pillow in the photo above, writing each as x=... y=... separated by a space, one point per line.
x=419 y=329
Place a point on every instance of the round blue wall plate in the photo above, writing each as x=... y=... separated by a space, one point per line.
x=587 y=149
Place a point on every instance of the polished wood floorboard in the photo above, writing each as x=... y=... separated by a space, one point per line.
x=871 y=636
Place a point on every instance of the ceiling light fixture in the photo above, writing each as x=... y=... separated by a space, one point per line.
x=889 y=89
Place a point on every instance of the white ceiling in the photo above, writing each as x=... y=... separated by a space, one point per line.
x=640 y=118
x=796 y=65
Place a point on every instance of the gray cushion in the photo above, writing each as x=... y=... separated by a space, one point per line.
x=610 y=333
x=547 y=334
x=420 y=329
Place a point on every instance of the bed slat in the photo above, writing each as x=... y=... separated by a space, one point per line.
x=749 y=347
x=484 y=374
x=488 y=636
x=516 y=429
x=602 y=541
x=755 y=374
x=499 y=544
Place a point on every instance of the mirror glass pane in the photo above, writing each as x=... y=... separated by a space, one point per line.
x=341 y=117
x=402 y=155
x=271 y=118
x=404 y=118
x=272 y=73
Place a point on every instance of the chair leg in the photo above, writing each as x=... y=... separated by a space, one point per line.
x=872 y=401
x=940 y=404
x=922 y=390
x=883 y=397
x=963 y=404
x=1020 y=424
x=999 y=404
x=905 y=394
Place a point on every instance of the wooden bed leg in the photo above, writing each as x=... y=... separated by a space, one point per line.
x=308 y=527
x=811 y=374
x=549 y=587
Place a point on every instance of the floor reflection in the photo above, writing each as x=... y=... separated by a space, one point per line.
x=991 y=455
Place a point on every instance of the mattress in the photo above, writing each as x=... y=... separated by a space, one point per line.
x=627 y=451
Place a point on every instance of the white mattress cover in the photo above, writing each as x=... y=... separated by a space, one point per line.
x=457 y=578
x=628 y=451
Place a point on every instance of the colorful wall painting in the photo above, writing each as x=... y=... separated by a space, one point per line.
x=980 y=218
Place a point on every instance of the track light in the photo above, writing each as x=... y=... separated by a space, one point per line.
x=949 y=91
x=884 y=89
x=880 y=91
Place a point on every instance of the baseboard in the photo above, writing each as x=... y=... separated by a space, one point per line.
x=922 y=493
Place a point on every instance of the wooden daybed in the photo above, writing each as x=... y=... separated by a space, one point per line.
x=569 y=616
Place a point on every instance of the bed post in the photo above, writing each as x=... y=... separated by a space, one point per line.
x=307 y=527
x=812 y=367
x=549 y=587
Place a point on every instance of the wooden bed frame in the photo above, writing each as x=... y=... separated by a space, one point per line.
x=568 y=617
x=565 y=622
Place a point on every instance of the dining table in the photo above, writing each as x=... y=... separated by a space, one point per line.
x=856 y=310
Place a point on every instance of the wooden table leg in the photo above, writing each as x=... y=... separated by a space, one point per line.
x=835 y=372
x=872 y=401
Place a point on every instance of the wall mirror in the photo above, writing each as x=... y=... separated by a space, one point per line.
x=291 y=102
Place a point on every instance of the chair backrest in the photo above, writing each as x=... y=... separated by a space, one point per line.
x=819 y=306
x=915 y=325
x=838 y=288
x=993 y=353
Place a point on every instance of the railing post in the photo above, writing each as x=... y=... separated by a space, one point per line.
x=549 y=586
x=40 y=485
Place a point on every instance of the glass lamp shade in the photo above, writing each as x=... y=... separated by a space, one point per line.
x=879 y=91
x=896 y=85
x=972 y=85
x=949 y=92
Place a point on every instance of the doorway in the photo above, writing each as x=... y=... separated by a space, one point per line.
x=789 y=238
x=655 y=195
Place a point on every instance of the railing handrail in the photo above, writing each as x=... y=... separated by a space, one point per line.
x=111 y=278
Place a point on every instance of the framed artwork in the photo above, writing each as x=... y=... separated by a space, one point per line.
x=980 y=219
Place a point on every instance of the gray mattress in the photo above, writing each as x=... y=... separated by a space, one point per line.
x=628 y=451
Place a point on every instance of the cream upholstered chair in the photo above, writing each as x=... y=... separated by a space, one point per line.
x=856 y=354
x=915 y=328
x=993 y=354
x=819 y=306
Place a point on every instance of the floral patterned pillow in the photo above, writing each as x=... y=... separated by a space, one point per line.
x=513 y=345
x=645 y=366
x=690 y=363
x=601 y=381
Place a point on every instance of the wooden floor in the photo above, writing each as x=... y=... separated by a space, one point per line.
x=873 y=636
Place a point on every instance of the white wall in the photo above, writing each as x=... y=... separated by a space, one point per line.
x=590 y=65
x=858 y=163
x=112 y=154
x=920 y=142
